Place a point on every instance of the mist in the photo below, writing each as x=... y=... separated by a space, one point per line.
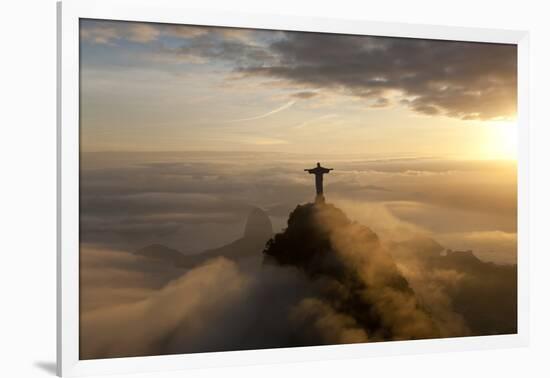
x=324 y=280
x=195 y=201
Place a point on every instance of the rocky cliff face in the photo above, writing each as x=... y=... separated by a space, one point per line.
x=356 y=277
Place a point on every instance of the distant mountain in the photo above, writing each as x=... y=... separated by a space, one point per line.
x=160 y=252
x=257 y=231
x=258 y=226
x=483 y=293
x=416 y=247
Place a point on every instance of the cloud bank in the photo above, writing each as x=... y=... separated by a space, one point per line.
x=464 y=80
x=195 y=201
x=325 y=280
x=457 y=79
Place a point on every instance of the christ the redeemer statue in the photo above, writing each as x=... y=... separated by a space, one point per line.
x=319 y=171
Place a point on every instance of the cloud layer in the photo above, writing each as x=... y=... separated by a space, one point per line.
x=462 y=80
x=456 y=79
x=195 y=201
x=325 y=280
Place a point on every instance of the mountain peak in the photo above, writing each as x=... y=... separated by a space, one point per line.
x=160 y=252
x=356 y=274
x=258 y=225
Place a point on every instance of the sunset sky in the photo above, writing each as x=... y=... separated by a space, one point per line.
x=194 y=142
x=159 y=87
x=195 y=138
x=185 y=129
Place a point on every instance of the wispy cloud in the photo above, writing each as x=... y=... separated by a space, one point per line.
x=313 y=120
x=270 y=113
x=107 y=32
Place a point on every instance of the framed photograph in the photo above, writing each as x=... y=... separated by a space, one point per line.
x=252 y=188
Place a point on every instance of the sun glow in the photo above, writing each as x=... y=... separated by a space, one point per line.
x=502 y=139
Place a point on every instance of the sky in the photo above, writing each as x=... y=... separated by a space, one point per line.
x=161 y=87
x=187 y=130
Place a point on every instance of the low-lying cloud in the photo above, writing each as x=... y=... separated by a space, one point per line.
x=217 y=306
x=324 y=280
x=195 y=201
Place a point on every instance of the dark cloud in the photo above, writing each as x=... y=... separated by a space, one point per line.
x=463 y=80
x=218 y=47
x=304 y=95
x=458 y=79
x=381 y=102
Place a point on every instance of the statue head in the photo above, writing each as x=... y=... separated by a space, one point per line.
x=318 y=164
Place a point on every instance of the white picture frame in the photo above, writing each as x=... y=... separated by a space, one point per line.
x=171 y=11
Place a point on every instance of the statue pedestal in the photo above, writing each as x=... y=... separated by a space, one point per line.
x=320 y=199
